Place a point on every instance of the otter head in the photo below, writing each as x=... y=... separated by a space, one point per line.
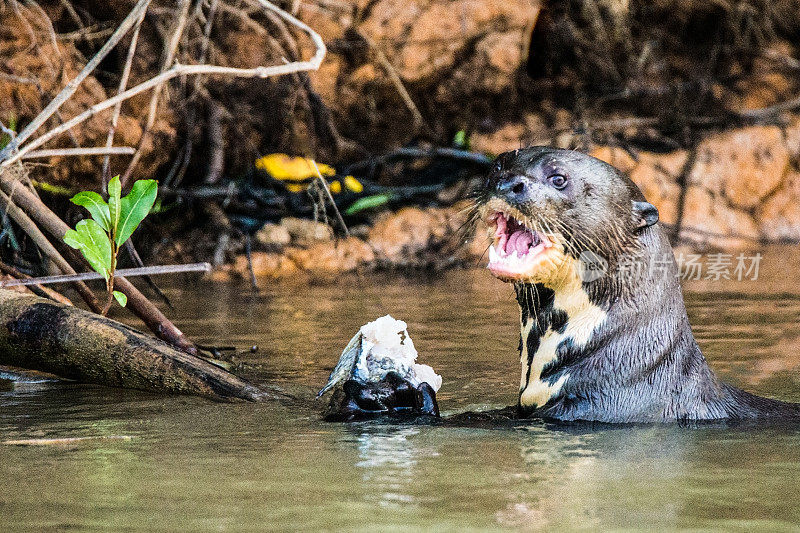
x=549 y=210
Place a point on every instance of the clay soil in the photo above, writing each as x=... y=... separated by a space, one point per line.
x=696 y=100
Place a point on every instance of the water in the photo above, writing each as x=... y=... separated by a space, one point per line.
x=191 y=464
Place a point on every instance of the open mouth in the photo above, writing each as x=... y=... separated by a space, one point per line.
x=517 y=250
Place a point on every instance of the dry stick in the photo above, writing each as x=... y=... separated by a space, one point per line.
x=84 y=276
x=85 y=35
x=169 y=55
x=204 y=45
x=324 y=184
x=137 y=302
x=95 y=150
x=39 y=290
x=770 y=111
x=72 y=86
x=72 y=13
x=176 y=71
x=216 y=144
x=51 y=32
x=30 y=228
x=17 y=79
x=419 y=122
x=140 y=305
x=123 y=84
x=106 y=172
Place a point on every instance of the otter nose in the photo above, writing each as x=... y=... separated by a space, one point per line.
x=512 y=187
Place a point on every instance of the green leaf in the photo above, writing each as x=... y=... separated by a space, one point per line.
x=114 y=193
x=368 y=202
x=460 y=139
x=121 y=298
x=94 y=203
x=93 y=242
x=134 y=207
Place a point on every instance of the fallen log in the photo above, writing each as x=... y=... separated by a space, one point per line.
x=39 y=334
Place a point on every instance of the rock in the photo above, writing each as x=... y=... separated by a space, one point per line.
x=397 y=237
x=503 y=53
x=779 y=217
x=273 y=236
x=456 y=58
x=332 y=257
x=306 y=232
x=708 y=221
x=742 y=165
x=792 y=132
x=616 y=157
x=265 y=264
x=423 y=37
x=764 y=86
x=504 y=139
x=762 y=90
x=477 y=246
x=657 y=176
x=223 y=274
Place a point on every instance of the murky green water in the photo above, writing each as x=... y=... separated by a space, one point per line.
x=191 y=464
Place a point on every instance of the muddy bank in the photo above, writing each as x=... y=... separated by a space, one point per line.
x=410 y=239
x=697 y=102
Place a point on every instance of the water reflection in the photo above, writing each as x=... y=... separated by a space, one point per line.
x=197 y=465
x=587 y=476
x=388 y=458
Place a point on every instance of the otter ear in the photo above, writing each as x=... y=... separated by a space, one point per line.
x=645 y=214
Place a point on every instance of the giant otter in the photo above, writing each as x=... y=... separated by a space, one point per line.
x=605 y=344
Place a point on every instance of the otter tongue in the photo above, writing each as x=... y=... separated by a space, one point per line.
x=520 y=241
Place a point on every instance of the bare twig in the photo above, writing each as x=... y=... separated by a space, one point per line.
x=123 y=84
x=17 y=79
x=248 y=251
x=85 y=276
x=14 y=151
x=216 y=144
x=33 y=231
x=169 y=55
x=323 y=183
x=770 y=111
x=419 y=122
x=97 y=150
x=67 y=5
x=72 y=86
x=87 y=34
x=34 y=287
x=137 y=302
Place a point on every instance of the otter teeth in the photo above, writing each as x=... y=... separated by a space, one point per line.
x=493 y=255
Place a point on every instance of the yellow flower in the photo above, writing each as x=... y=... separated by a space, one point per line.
x=353 y=184
x=286 y=168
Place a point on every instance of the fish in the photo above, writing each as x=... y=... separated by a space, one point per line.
x=380 y=347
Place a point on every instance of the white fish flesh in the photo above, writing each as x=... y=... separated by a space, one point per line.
x=380 y=347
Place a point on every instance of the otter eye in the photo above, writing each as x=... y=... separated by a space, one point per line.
x=558 y=181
